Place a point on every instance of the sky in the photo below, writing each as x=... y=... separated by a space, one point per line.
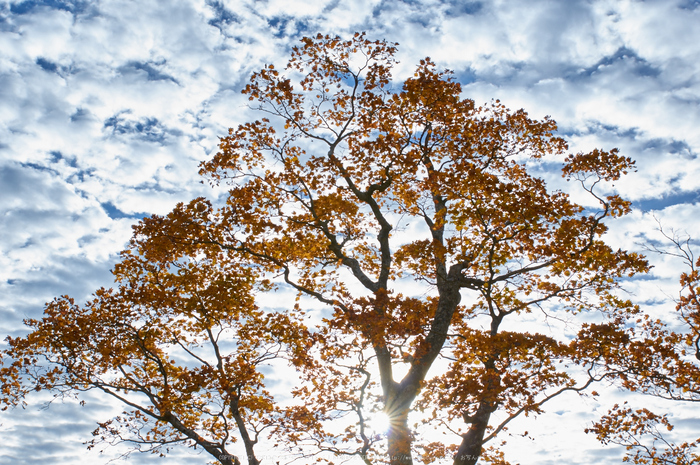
x=108 y=106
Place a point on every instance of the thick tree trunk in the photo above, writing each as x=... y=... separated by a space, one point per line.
x=470 y=449
x=399 y=439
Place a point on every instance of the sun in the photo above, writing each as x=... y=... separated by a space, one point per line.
x=380 y=422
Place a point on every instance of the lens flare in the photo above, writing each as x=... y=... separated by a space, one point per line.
x=380 y=422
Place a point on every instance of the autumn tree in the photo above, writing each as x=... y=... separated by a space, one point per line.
x=180 y=342
x=670 y=372
x=417 y=221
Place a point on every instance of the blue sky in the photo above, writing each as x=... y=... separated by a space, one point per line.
x=108 y=106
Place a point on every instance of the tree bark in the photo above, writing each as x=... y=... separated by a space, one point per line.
x=247 y=441
x=470 y=449
x=399 y=439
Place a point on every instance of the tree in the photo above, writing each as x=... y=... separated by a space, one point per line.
x=642 y=432
x=415 y=218
x=665 y=370
x=179 y=343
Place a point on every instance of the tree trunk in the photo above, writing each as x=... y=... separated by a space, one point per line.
x=399 y=439
x=470 y=449
x=247 y=441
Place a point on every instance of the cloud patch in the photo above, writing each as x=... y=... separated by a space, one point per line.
x=29 y=6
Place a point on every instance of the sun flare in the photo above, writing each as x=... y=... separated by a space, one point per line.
x=381 y=422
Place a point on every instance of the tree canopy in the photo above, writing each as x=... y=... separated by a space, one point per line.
x=435 y=273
